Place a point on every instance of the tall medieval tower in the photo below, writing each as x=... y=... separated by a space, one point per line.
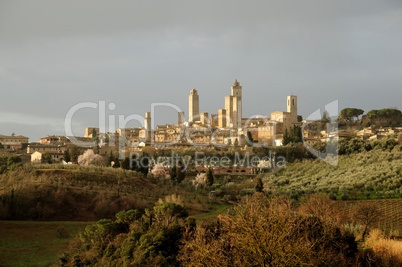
x=233 y=106
x=292 y=107
x=193 y=105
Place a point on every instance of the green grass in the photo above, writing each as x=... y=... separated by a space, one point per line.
x=27 y=243
x=215 y=210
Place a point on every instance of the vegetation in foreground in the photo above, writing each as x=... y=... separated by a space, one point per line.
x=257 y=232
x=92 y=193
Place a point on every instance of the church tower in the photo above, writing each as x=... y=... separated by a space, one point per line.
x=193 y=106
x=292 y=107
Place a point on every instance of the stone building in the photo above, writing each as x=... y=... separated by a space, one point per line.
x=288 y=117
x=55 y=140
x=13 y=141
x=221 y=118
x=56 y=156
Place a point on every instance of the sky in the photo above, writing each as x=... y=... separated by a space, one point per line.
x=57 y=56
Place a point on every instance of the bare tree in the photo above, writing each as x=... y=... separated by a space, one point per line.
x=367 y=214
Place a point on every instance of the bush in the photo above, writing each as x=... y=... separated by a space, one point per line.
x=264 y=232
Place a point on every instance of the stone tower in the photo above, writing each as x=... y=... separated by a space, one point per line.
x=148 y=121
x=193 y=105
x=222 y=118
x=148 y=126
x=292 y=107
x=233 y=106
x=204 y=118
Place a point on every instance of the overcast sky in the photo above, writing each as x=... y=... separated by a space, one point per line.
x=56 y=54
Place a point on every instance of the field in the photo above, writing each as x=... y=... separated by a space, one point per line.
x=369 y=175
x=28 y=244
x=390 y=209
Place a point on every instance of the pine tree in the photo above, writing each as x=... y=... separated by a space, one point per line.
x=286 y=138
x=180 y=173
x=173 y=173
x=66 y=156
x=209 y=177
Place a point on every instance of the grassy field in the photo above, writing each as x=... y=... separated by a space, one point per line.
x=27 y=243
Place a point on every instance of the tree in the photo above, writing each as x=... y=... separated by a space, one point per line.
x=46 y=158
x=209 y=177
x=173 y=173
x=347 y=114
x=385 y=117
x=66 y=156
x=74 y=153
x=367 y=214
x=90 y=158
x=144 y=165
x=286 y=137
x=110 y=159
x=180 y=173
x=267 y=232
x=158 y=171
x=126 y=163
x=116 y=163
x=325 y=117
x=259 y=187
x=293 y=135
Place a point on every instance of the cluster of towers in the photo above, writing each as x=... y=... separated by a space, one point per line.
x=228 y=119
x=230 y=116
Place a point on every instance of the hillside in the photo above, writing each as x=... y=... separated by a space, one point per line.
x=366 y=175
x=56 y=192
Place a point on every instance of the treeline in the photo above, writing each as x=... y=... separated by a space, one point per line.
x=382 y=117
x=257 y=232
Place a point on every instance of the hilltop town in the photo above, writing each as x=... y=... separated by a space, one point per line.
x=226 y=128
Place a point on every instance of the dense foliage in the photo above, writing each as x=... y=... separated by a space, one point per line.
x=385 y=117
x=257 y=232
x=347 y=114
x=133 y=239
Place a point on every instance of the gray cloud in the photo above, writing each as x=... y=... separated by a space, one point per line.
x=55 y=54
